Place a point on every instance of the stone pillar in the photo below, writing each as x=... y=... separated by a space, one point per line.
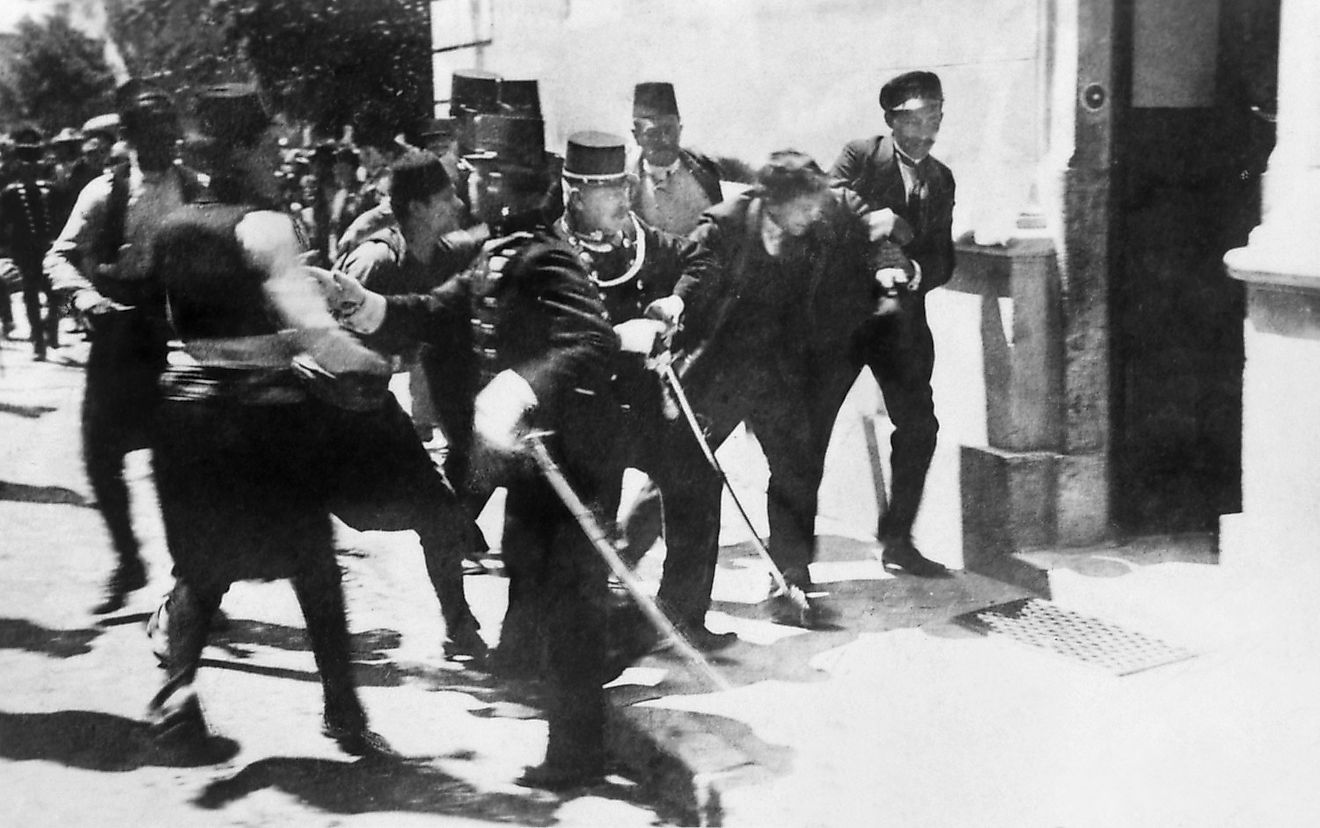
x=1043 y=480
x=1280 y=518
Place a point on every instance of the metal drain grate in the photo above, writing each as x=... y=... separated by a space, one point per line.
x=1051 y=627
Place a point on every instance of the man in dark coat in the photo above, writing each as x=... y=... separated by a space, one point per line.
x=764 y=344
x=902 y=188
x=540 y=352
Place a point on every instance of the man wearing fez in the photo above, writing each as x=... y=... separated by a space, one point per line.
x=29 y=208
x=908 y=195
x=249 y=450
x=646 y=277
x=676 y=185
x=102 y=262
x=539 y=355
x=765 y=346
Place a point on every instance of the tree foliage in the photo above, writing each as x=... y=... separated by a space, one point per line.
x=55 y=76
x=338 y=62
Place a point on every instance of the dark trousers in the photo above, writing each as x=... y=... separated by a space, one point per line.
x=242 y=498
x=900 y=352
x=791 y=412
x=382 y=478
x=558 y=582
x=44 y=332
x=125 y=361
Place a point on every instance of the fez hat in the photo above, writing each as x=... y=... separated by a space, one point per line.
x=910 y=90
x=505 y=140
x=68 y=135
x=595 y=156
x=654 y=98
x=27 y=143
x=474 y=91
x=231 y=112
x=520 y=98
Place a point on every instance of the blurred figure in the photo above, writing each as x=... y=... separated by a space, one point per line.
x=29 y=208
x=242 y=453
x=102 y=263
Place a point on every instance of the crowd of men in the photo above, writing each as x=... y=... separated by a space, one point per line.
x=247 y=304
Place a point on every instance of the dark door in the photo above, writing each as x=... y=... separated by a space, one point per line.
x=1192 y=139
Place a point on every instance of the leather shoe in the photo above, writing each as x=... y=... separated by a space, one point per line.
x=358 y=740
x=466 y=644
x=700 y=637
x=549 y=777
x=129 y=575
x=795 y=608
x=902 y=554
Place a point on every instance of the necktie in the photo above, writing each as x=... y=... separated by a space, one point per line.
x=917 y=197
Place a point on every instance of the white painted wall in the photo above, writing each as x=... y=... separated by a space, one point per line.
x=757 y=75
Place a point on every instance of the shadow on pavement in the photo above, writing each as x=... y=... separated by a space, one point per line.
x=240 y=635
x=412 y=786
x=32 y=412
x=24 y=493
x=22 y=634
x=97 y=741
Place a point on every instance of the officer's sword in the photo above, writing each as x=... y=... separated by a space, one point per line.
x=794 y=593
x=592 y=528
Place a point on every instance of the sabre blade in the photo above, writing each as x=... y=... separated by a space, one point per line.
x=586 y=519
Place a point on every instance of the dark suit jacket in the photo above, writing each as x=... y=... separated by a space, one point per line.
x=833 y=292
x=868 y=173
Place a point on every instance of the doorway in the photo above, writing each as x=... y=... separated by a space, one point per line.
x=1193 y=135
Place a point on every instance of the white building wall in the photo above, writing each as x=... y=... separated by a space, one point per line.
x=757 y=75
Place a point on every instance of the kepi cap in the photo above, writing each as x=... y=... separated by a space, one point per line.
x=473 y=91
x=520 y=98
x=595 y=156
x=505 y=140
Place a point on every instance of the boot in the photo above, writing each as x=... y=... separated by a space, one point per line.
x=129 y=575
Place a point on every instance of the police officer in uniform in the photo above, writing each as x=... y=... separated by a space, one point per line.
x=646 y=278
x=102 y=261
x=909 y=195
x=29 y=209
x=542 y=351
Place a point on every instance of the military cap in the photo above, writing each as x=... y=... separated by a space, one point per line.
x=910 y=90
x=520 y=98
x=653 y=99
x=504 y=140
x=474 y=91
x=231 y=112
x=595 y=156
